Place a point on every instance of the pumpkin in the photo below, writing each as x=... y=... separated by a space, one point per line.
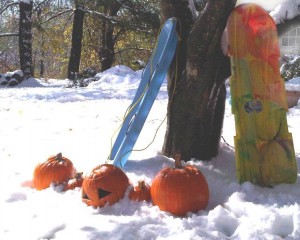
x=180 y=190
x=141 y=192
x=105 y=184
x=56 y=169
x=74 y=182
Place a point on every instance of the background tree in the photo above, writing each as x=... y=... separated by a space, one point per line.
x=43 y=29
x=25 y=38
x=9 y=26
x=196 y=82
x=122 y=18
x=77 y=32
x=108 y=39
x=290 y=67
x=135 y=27
x=52 y=37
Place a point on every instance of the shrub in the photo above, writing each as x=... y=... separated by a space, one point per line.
x=290 y=67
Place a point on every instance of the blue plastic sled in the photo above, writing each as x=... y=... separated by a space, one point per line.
x=152 y=78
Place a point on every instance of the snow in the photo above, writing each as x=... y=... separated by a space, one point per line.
x=193 y=8
x=40 y=118
x=286 y=10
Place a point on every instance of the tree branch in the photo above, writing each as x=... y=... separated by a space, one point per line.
x=57 y=15
x=9 y=34
x=132 y=48
x=3 y=52
x=8 y=6
x=103 y=16
x=39 y=4
x=116 y=21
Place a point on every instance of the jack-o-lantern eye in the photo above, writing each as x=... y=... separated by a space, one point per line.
x=103 y=193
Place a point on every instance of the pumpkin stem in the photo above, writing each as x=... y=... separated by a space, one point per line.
x=141 y=184
x=178 y=160
x=59 y=157
x=78 y=175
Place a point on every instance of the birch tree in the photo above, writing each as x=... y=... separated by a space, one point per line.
x=25 y=37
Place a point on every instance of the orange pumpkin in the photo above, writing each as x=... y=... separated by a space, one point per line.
x=141 y=192
x=105 y=184
x=180 y=190
x=56 y=169
x=74 y=182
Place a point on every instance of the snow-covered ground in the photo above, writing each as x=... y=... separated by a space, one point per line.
x=39 y=119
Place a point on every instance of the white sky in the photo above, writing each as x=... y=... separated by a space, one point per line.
x=267 y=4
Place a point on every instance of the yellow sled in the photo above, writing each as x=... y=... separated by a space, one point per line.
x=264 y=147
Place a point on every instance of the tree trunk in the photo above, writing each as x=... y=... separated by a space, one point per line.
x=25 y=38
x=107 y=46
x=185 y=19
x=77 y=33
x=196 y=111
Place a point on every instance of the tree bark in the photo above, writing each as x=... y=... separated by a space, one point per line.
x=77 y=33
x=196 y=111
x=185 y=19
x=107 y=46
x=25 y=38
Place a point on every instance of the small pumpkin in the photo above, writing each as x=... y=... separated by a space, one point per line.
x=180 y=190
x=74 y=182
x=141 y=192
x=56 y=169
x=106 y=183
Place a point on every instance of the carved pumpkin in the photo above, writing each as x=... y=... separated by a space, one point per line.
x=56 y=169
x=74 y=182
x=180 y=190
x=141 y=192
x=105 y=184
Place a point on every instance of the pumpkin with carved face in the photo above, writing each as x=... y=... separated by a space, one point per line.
x=106 y=184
